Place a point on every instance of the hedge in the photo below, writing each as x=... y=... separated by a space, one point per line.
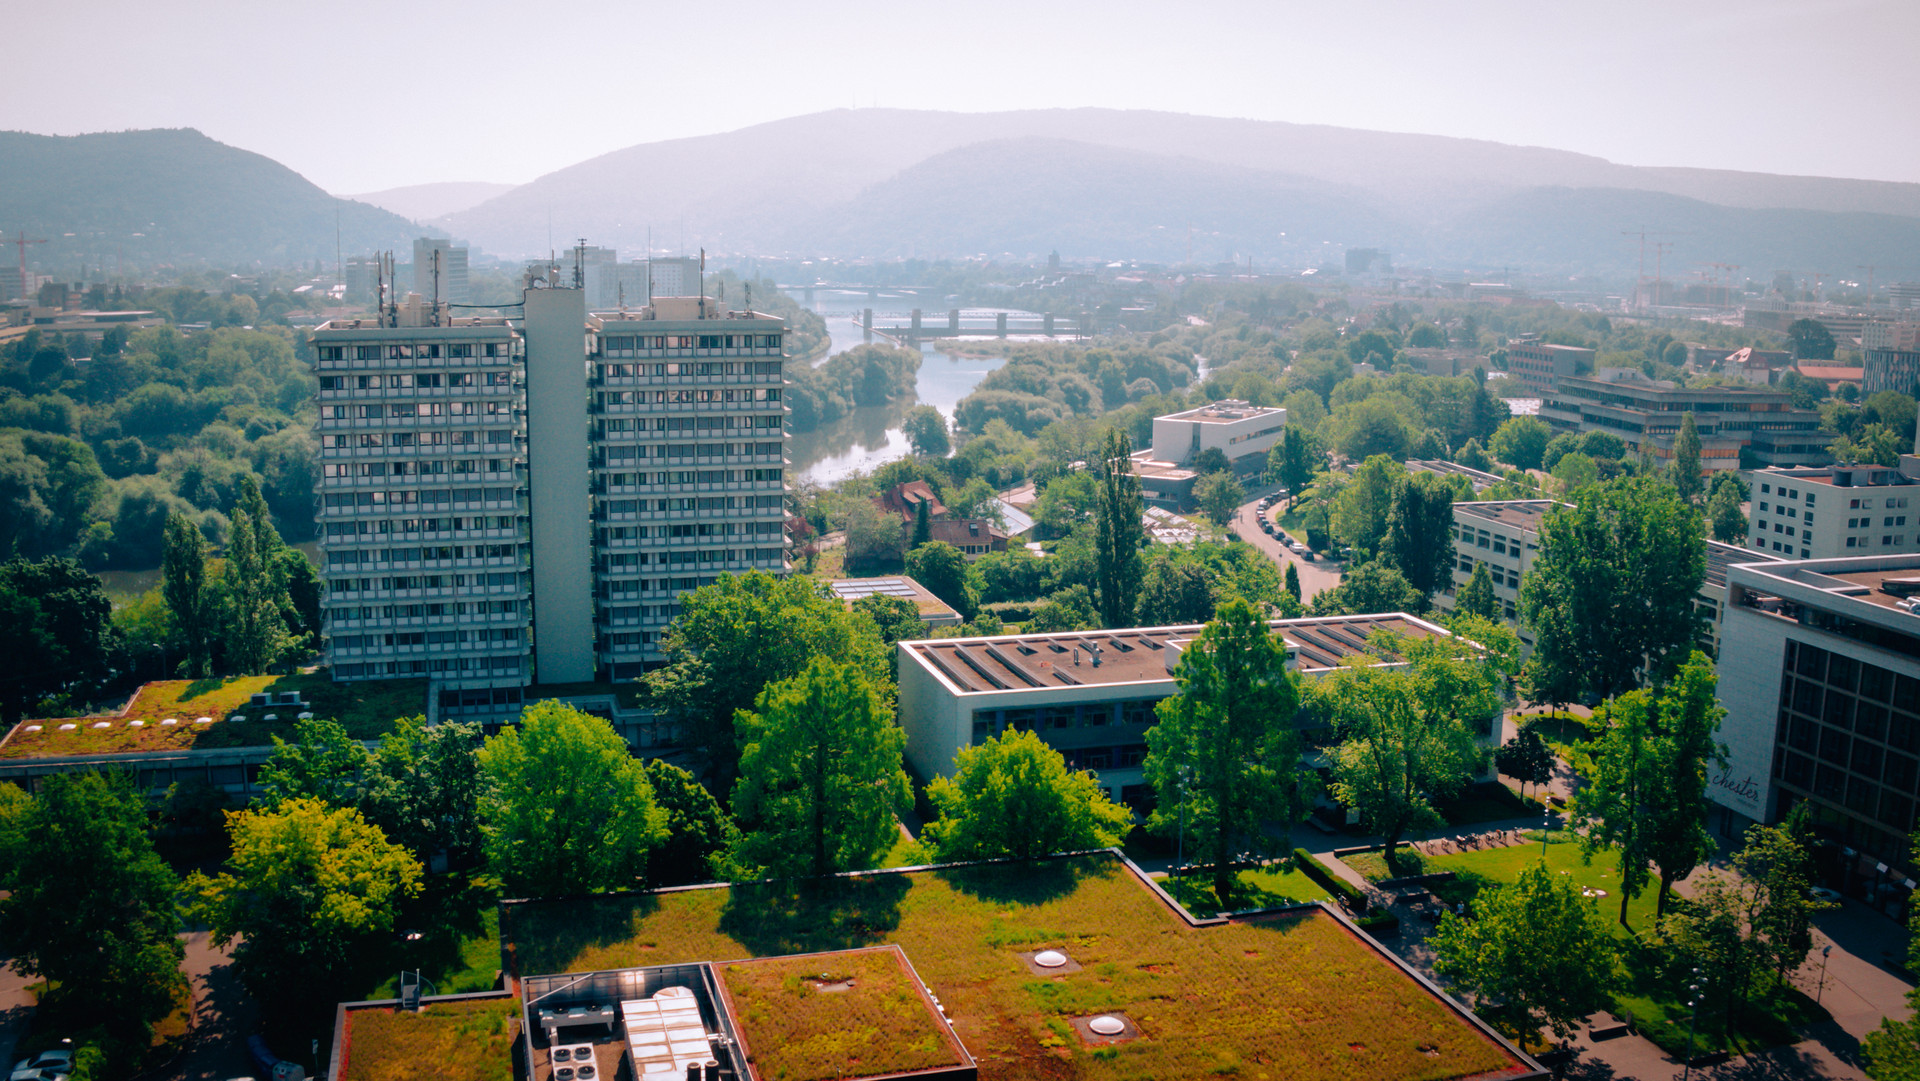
x=1349 y=894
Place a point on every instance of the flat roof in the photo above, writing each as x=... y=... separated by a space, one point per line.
x=1223 y=412
x=1880 y=581
x=1480 y=477
x=898 y=585
x=1721 y=556
x=1018 y=662
x=1860 y=476
x=1525 y=513
x=1196 y=992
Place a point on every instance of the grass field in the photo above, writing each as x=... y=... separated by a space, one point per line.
x=367 y=710
x=470 y=1040
x=1295 y=996
x=821 y=1018
x=1647 y=990
x=1264 y=888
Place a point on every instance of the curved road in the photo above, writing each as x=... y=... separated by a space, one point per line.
x=1315 y=575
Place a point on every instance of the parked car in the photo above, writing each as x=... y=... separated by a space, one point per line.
x=1296 y=547
x=52 y=1065
x=1822 y=893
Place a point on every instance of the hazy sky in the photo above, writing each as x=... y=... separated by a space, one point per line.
x=361 y=96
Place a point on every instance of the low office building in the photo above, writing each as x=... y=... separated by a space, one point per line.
x=1820 y=676
x=1241 y=431
x=1734 y=422
x=1504 y=534
x=1836 y=511
x=1712 y=600
x=1541 y=366
x=1090 y=694
x=933 y=611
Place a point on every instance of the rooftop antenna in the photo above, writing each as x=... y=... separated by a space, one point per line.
x=580 y=264
x=436 y=285
x=339 y=263
x=703 y=283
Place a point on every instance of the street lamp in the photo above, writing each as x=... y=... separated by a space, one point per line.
x=1822 y=989
x=1693 y=1016
x=1546 y=815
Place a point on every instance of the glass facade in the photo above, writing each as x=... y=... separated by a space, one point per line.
x=1848 y=742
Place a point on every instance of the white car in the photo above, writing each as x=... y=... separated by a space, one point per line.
x=45 y=1066
x=1296 y=547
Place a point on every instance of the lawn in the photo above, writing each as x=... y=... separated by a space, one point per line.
x=367 y=710
x=1488 y=803
x=1647 y=991
x=1279 y=997
x=822 y=1017
x=1265 y=887
x=458 y=948
x=472 y=1040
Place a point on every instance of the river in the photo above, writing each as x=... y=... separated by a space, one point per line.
x=871 y=435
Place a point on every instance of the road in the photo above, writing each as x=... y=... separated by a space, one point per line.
x=1315 y=576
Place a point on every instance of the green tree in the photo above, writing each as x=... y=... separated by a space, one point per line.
x=1295 y=459
x=1219 y=497
x=1686 y=460
x=1293 y=580
x=255 y=634
x=1013 y=796
x=926 y=432
x=91 y=905
x=1535 y=952
x=1724 y=515
x=1633 y=538
x=1473 y=456
x=1616 y=807
x=423 y=786
x=56 y=631
x=1811 y=340
x=1477 y=597
x=1224 y=758
x=1369 y=588
x=308 y=897
x=1118 y=531
x=820 y=776
x=1525 y=758
x=943 y=570
x=1175 y=592
x=898 y=620
x=1521 y=442
x=1407 y=736
x=1360 y=513
x=698 y=831
x=322 y=763
x=1683 y=745
x=1419 y=538
x=566 y=809
x=183 y=577
x=1068 y=609
x=743 y=632
x=922 y=526
x=1211 y=460
x=1893 y=1050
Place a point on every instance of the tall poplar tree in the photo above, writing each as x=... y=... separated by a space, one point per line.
x=1686 y=460
x=1224 y=758
x=183 y=582
x=1118 y=531
x=1419 y=539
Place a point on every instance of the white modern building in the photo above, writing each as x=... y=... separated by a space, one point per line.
x=1089 y=694
x=440 y=271
x=1820 y=676
x=1504 y=534
x=1233 y=427
x=1833 y=511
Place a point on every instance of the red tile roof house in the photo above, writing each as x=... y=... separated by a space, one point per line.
x=974 y=537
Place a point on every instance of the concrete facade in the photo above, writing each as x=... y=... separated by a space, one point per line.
x=1235 y=428
x=1503 y=534
x=453 y=286
x=1835 y=512
x=421 y=502
x=559 y=507
x=1820 y=676
x=1647 y=414
x=1541 y=366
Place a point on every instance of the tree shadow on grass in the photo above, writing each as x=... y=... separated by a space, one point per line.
x=545 y=936
x=1028 y=883
x=204 y=685
x=809 y=915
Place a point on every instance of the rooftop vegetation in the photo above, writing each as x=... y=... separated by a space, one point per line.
x=822 y=1017
x=471 y=1040
x=1292 y=996
x=367 y=711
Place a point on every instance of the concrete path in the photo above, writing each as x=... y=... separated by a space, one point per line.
x=224 y=1016
x=16 y=1012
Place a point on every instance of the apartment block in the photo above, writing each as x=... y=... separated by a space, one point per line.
x=510 y=502
x=1504 y=534
x=440 y=271
x=1733 y=421
x=1820 y=676
x=422 y=502
x=688 y=463
x=1836 y=511
x=1541 y=365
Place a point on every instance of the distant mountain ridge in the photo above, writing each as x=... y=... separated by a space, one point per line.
x=421 y=202
x=174 y=196
x=806 y=185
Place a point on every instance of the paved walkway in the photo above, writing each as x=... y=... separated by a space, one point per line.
x=224 y=1015
x=1315 y=575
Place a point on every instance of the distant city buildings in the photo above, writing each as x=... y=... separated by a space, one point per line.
x=1541 y=365
x=1836 y=511
x=1891 y=357
x=440 y=271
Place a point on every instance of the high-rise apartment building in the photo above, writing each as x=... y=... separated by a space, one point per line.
x=688 y=462
x=431 y=257
x=422 y=507
x=508 y=502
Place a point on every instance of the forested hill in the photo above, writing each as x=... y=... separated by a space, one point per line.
x=174 y=196
x=1105 y=183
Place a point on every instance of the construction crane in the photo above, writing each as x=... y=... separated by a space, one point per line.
x=21 y=240
x=1661 y=247
x=1869 y=270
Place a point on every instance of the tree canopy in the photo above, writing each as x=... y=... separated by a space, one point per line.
x=1013 y=796
x=1536 y=952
